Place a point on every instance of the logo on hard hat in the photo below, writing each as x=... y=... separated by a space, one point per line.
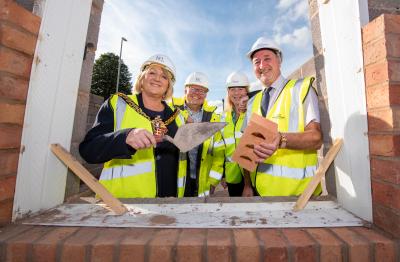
x=160 y=58
x=198 y=79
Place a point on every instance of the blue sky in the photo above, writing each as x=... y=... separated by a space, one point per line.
x=210 y=36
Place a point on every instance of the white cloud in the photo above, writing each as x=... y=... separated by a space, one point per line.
x=299 y=38
x=285 y=4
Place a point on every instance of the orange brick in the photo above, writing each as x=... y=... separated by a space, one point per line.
x=13 y=87
x=383 y=95
x=394 y=71
x=384 y=119
x=304 y=248
x=330 y=246
x=6 y=207
x=247 y=245
x=103 y=246
x=8 y=162
x=384 y=247
x=386 y=169
x=219 y=245
x=275 y=247
x=392 y=45
x=358 y=248
x=376 y=73
x=13 y=13
x=386 y=219
x=10 y=136
x=15 y=63
x=19 y=248
x=384 y=145
x=8 y=232
x=76 y=246
x=132 y=246
x=386 y=194
x=16 y=39
x=191 y=245
x=11 y=113
x=7 y=187
x=373 y=30
x=162 y=246
x=45 y=249
x=375 y=51
x=392 y=23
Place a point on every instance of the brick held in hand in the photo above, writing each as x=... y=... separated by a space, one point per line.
x=258 y=130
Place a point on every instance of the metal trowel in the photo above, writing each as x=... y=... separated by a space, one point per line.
x=191 y=135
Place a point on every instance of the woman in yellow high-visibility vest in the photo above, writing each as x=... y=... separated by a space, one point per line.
x=127 y=137
x=237 y=85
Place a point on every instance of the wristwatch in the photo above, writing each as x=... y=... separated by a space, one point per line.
x=282 y=141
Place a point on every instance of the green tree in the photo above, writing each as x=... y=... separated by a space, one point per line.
x=104 y=77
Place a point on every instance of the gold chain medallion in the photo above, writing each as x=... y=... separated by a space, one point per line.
x=159 y=127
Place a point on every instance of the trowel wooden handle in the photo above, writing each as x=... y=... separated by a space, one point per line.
x=79 y=170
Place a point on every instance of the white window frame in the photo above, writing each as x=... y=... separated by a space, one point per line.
x=54 y=83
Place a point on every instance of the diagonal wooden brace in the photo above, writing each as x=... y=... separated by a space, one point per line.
x=70 y=161
x=319 y=174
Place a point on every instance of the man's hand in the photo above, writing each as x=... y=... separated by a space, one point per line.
x=140 y=138
x=265 y=150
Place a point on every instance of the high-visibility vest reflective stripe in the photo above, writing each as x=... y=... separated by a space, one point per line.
x=211 y=161
x=232 y=135
x=286 y=172
x=135 y=177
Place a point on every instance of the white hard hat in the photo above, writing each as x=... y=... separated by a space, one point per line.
x=237 y=79
x=162 y=60
x=264 y=43
x=197 y=78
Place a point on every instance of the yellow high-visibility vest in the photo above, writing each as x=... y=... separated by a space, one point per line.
x=136 y=177
x=212 y=159
x=231 y=137
x=287 y=172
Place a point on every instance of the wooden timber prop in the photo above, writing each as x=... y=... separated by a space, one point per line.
x=70 y=161
x=319 y=175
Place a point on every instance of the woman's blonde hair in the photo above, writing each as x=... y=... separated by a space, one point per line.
x=139 y=81
x=228 y=105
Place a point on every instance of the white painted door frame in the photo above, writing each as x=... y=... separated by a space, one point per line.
x=341 y=23
x=50 y=106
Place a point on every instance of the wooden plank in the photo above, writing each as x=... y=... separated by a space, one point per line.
x=76 y=167
x=319 y=174
x=201 y=215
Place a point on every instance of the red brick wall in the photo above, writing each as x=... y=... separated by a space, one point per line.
x=40 y=243
x=381 y=47
x=18 y=34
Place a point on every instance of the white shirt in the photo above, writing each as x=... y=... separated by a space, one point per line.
x=311 y=110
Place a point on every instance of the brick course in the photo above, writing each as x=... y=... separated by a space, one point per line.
x=41 y=243
x=381 y=47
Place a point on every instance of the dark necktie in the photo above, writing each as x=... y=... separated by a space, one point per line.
x=265 y=101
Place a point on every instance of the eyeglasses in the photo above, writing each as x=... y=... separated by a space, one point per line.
x=200 y=91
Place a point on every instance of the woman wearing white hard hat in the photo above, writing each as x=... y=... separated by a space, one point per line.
x=237 y=85
x=205 y=166
x=127 y=137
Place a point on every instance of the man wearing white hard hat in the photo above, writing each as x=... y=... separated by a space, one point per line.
x=287 y=164
x=127 y=137
x=205 y=165
x=237 y=85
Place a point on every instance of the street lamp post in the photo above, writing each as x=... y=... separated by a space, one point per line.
x=119 y=62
